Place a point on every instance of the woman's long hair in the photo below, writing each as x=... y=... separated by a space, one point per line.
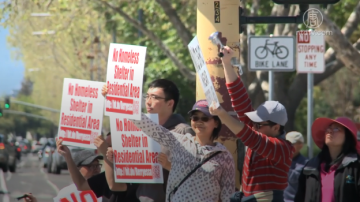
x=348 y=147
x=216 y=131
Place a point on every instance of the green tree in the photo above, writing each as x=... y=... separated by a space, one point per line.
x=167 y=27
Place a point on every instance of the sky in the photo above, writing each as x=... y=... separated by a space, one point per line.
x=11 y=71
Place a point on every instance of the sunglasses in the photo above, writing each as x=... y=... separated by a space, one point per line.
x=259 y=125
x=94 y=167
x=198 y=118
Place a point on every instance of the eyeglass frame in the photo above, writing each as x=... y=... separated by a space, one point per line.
x=334 y=130
x=94 y=166
x=259 y=125
x=155 y=97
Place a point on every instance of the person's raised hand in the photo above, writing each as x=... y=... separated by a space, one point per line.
x=110 y=154
x=164 y=162
x=228 y=54
x=104 y=90
x=62 y=149
x=216 y=111
x=101 y=144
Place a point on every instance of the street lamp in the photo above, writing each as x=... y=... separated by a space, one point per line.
x=43 y=33
x=34 y=70
x=40 y=14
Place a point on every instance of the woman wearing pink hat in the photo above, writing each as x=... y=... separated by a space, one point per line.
x=334 y=175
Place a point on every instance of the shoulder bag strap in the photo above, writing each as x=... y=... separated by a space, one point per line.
x=192 y=172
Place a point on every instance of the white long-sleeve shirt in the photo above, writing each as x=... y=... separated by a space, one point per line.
x=213 y=181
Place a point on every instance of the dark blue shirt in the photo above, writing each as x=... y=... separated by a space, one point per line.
x=293 y=179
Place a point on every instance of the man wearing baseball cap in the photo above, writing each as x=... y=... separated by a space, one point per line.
x=87 y=162
x=268 y=155
x=298 y=162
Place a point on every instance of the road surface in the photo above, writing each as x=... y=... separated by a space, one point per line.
x=31 y=177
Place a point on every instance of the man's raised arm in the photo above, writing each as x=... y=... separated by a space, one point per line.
x=240 y=100
x=75 y=174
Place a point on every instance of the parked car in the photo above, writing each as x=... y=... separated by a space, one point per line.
x=43 y=140
x=56 y=162
x=25 y=146
x=42 y=144
x=36 y=146
x=47 y=150
x=7 y=155
x=16 y=146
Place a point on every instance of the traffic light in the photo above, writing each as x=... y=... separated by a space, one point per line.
x=306 y=1
x=1 y=112
x=7 y=103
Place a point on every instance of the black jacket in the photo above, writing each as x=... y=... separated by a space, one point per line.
x=346 y=185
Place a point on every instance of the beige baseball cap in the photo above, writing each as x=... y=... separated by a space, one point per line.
x=294 y=137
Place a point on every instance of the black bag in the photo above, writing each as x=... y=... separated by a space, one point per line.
x=192 y=172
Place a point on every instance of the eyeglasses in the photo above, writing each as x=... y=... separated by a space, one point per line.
x=153 y=97
x=334 y=130
x=259 y=125
x=94 y=167
x=197 y=118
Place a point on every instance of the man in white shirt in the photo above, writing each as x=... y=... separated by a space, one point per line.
x=88 y=164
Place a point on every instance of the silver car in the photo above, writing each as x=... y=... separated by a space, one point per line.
x=47 y=151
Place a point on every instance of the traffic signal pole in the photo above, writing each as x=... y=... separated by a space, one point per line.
x=33 y=105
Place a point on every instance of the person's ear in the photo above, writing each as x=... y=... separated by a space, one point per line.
x=170 y=103
x=276 y=127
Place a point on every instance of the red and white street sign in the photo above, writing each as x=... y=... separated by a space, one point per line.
x=310 y=50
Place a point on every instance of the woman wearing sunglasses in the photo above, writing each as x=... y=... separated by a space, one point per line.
x=334 y=175
x=214 y=179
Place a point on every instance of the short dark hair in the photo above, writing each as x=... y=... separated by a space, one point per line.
x=281 y=129
x=170 y=90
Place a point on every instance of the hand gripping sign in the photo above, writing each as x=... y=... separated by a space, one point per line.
x=202 y=71
x=135 y=154
x=124 y=79
x=81 y=112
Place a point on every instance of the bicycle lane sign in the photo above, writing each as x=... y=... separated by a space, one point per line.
x=271 y=53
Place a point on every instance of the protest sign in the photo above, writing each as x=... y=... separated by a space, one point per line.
x=135 y=153
x=78 y=196
x=202 y=71
x=81 y=112
x=124 y=80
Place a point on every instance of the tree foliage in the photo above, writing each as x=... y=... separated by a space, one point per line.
x=19 y=124
x=165 y=28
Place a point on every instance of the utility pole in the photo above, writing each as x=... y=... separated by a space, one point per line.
x=212 y=17
x=91 y=55
x=99 y=52
x=114 y=33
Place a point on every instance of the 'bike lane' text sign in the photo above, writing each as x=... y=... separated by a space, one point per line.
x=271 y=53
